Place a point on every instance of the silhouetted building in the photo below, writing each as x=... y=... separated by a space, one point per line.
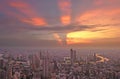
x=72 y=56
x=46 y=69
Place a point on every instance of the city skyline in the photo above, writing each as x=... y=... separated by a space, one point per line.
x=59 y=23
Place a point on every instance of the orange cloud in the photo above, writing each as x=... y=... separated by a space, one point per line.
x=35 y=21
x=100 y=2
x=58 y=38
x=23 y=8
x=18 y=4
x=27 y=10
x=65 y=7
x=100 y=16
x=65 y=19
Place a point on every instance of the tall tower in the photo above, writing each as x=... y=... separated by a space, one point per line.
x=46 y=66
x=72 y=56
x=94 y=57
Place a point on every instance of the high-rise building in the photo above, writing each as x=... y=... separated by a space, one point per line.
x=46 y=64
x=1 y=63
x=95 y=59
x=72 y=56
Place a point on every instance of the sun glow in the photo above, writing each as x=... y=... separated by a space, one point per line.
x=87 y=36
x=106 y=23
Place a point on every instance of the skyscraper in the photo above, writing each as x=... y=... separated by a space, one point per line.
x=46 y=66
x=72 y=56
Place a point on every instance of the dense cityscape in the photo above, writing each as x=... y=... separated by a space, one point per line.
x=42 y=65
x=59 y=39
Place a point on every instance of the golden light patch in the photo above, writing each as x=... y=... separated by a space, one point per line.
x=102 y=59
x=102 y=19
x=89 y=36
x=71 y=40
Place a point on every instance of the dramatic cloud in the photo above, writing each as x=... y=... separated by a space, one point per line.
x=106 y=19
x=65 y=7
x=32 y=16
x=100 y=16
x=59 y=22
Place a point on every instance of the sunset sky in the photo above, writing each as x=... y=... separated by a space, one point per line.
x=52 y=23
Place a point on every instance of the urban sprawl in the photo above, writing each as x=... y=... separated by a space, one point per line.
x=42 y=65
